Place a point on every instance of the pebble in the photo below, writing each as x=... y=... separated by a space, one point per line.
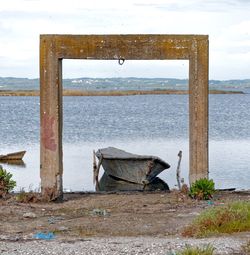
x=53 y=220
x=29 y=215
x=100 y=212
x=194 y=213
x=63 y=228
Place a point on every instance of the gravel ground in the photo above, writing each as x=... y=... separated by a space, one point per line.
x=118 y=245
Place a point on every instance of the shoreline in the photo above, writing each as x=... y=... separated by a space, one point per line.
x=111 y=93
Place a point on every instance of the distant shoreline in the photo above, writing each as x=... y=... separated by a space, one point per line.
x=111 y=93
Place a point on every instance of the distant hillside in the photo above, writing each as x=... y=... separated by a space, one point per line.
x=130 y=83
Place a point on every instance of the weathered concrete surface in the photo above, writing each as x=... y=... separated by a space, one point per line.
x=198 y=111
x=54 y=48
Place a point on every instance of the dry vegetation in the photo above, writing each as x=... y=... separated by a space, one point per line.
x=110 y=93
x=231 y=218
x=189 y=250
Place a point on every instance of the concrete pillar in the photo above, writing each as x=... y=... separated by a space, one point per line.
x=198 y=111
x=51 y=121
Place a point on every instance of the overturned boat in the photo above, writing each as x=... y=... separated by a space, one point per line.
x=133 y=168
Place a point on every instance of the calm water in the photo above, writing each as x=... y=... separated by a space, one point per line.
x=152 y=124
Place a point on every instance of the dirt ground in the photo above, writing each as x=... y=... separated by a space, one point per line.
x=121 y=214
x=134 y=214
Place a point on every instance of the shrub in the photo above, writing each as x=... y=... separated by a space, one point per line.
x=234 y=217
x=6 y=183
x=207 y=250
x=202 y=189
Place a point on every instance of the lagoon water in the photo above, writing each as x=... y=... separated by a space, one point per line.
x=147 y=124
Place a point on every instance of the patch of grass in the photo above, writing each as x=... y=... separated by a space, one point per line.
x=189 y=250
x=233 y=217
x=202 y=189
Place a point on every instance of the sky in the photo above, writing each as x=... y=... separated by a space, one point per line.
x=227 y=22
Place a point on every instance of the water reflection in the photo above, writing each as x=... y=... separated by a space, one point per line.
x=228 y=162
x=15 y=162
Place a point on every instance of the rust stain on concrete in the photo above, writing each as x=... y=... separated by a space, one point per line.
x=48 y=138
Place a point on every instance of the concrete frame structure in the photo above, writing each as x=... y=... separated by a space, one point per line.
x=55 y=48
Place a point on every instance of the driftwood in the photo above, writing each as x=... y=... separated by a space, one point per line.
x=178 y=171
x=96 y=169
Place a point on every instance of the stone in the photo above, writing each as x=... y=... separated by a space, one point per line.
x=29 y=215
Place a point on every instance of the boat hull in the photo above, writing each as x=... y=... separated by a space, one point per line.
x=12 y=156
x=130 y=167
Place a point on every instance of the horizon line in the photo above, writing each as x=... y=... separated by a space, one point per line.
x=128 y=77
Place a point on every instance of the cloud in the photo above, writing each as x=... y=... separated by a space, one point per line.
x=194 y=5
x=226 y=22
x=130 y=68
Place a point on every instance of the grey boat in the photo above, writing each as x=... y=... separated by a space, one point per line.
x=130 y=167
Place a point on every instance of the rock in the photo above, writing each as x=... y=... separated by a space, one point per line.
x=53 y=220
x=194 y=213
x=100 y=212
x=63 y=228
x=29 y=215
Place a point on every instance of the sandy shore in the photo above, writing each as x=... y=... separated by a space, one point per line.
x=110 y=93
